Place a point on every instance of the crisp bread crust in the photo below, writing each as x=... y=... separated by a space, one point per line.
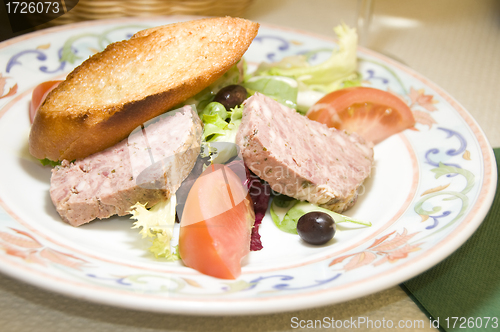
x=134 y=80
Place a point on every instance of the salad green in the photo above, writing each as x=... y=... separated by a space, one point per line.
x=286 y=212
x=282 y=89
x=218 y=129
x=330 y=75
x=157 y=224
x=48 y=162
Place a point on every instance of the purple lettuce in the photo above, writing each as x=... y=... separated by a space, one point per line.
x=260 y=191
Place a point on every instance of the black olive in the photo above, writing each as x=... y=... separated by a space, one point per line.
x=231 y=96
x=316 y=227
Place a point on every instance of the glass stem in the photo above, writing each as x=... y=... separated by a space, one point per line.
x=365 y=12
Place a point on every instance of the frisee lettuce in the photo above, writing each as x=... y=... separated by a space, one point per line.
x=327 y=76
x=157 y=223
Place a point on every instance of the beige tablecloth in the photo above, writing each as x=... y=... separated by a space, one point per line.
x=455 y=43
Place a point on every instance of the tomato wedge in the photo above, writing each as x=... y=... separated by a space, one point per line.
x=372 y=113
x=216 y=224
x=39 y=94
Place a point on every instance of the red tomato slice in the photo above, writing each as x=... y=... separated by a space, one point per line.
x=374 y=114
x=216 y=224
x=39 y=95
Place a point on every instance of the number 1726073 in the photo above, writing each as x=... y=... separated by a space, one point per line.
x=39 y=7
x=471 y=322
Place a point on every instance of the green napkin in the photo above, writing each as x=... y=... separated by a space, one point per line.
x=466 y=286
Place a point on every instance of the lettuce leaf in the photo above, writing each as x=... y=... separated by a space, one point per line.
x=215 y=129
x=157 y=224
x=286 y=212
x=279 y=208
x=282 y=89
x=330 y=75
x=48 y=162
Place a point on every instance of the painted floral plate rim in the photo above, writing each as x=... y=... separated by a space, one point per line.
x=433 y=187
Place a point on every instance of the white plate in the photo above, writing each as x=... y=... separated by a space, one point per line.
x=429 y=191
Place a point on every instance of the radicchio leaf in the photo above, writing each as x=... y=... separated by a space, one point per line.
x=260 y=192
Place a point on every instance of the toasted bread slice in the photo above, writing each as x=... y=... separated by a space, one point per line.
x=132 y=81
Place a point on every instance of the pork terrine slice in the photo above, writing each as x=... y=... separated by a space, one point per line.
x=301 y=158
x=147 y=167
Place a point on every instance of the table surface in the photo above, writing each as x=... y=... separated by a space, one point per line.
x=455 y=43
